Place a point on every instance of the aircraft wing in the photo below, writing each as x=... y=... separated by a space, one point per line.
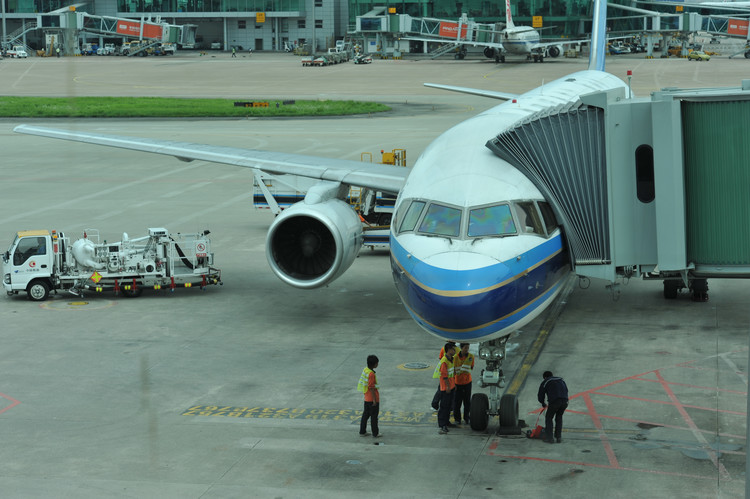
x=380 y=177
x=474 y=91
x=544 y=45
x=454 y=41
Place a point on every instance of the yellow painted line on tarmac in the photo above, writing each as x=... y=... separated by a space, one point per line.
x=536 y=348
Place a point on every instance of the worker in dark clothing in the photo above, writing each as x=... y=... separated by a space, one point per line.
x=556 y=390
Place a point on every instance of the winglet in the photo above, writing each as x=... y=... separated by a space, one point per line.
x=598 y=36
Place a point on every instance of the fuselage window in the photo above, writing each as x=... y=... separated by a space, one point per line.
x=550 y=222
x=441 y=221
x=529 y=220
x=491 y=221
x=411 y=216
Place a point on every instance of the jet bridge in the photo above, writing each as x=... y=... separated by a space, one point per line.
x=655 y=187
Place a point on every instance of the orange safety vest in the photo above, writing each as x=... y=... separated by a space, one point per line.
x=463 y=368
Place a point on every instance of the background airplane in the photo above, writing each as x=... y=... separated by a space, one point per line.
x=476 y=252
x=512 y=40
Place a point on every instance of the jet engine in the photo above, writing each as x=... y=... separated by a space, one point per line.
x=310 y=245
x=554 y=50
x=490 y=52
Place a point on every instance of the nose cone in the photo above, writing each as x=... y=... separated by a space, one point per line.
x=455 y=295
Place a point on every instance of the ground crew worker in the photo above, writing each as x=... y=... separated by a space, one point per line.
x=436 y=398
x=463 y=364
x=557 y=401
x=368 y=384
x=444 y=371
x=234 y=52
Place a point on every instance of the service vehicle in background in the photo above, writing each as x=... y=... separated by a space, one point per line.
x=40 y=261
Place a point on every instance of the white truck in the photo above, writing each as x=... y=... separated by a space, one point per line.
x=17 y=52
x=40 y=261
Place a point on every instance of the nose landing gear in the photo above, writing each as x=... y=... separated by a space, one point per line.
x=483 y=406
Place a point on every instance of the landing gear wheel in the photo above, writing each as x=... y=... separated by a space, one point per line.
x=508 y=410
x=502 y=58
x=480 y=404
x=38 y=290
x=132 y=293
x=671 y=286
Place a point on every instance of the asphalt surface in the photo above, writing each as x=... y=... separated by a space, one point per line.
x=248 y=389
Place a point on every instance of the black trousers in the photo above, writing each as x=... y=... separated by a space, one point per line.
x=555 y=410
x=444 y=411
x=370 y=412
x=463 y=396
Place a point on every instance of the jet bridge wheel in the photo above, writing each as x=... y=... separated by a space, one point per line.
x=480 y=406
x=38 y=290
x=509 y=410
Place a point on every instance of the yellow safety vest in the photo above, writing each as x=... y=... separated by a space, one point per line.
x=364 y=379
x=451 y=373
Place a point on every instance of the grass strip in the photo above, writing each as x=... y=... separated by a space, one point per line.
x=164 y=107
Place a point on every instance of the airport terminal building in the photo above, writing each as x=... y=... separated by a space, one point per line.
x=277 y=25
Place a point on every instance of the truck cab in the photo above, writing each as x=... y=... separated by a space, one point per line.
x=28 y=264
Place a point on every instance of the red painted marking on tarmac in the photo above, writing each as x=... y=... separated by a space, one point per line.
x=598 y=425
x=661 y=425
x=14 y=403
x=712 y=409
x=603 y=466
x=711 y=388
x=711 y=454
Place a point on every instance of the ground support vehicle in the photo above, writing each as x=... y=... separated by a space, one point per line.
x=40 y=261
x=17 y=52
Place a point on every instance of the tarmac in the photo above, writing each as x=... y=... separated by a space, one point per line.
x=249 y=389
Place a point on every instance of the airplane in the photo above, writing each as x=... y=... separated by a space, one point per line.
x=475 y=250
x=515 y=40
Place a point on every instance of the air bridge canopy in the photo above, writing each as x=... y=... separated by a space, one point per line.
x=656 y=186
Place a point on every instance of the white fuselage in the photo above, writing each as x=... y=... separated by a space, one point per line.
x=459 y=286
x=520 y=40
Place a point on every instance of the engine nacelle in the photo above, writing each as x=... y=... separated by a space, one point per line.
x=554 y=50
x=490 y=52
x=310 y=245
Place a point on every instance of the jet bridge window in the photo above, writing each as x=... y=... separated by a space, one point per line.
x=441 y=221
x=28 y=247
x=644 y=173
x=491 y=221
x=529 y=221
x=409 y=220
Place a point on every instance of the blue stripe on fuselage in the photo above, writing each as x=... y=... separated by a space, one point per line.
x=475 y=303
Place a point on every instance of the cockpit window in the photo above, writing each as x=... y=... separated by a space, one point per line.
x=528 y=218
x=491 y=221
x=441 y=221
x=550 y=222
x=411 y=216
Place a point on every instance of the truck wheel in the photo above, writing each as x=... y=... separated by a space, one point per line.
x=38 y=290
x=480 y=404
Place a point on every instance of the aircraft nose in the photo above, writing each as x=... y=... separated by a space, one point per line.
x=453 y=294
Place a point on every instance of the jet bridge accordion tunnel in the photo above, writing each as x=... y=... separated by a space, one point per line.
x=656 y=187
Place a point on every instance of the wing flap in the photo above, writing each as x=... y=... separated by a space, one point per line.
x=381 y=177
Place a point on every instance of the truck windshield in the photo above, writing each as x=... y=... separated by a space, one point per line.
x=28 y=247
